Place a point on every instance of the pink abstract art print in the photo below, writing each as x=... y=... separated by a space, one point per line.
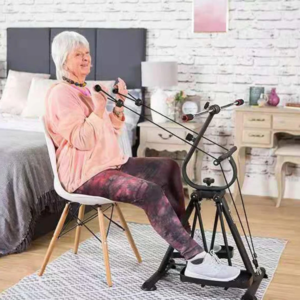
x=210 y=15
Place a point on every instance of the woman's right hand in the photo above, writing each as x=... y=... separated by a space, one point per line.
x=99 y=100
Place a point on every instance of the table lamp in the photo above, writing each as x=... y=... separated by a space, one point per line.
x=158 y=75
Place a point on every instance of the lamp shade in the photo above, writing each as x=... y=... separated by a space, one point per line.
x=159 y=73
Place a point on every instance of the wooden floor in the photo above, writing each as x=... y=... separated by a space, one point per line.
x=265 y=221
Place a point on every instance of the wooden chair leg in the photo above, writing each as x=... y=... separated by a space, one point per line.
x=280 y=177
x=78 y=229
x=54 y=238
x=128 y=233
x=104 y=246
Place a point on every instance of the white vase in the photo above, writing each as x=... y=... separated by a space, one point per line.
x=158 y=103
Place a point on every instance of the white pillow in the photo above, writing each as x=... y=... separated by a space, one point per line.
x=16 y=90
x=35 y=106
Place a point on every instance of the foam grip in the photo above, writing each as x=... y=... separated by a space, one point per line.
x=138 y=102
x=97 y=88
x=239 y=102
x=188 y=117
x=119 y=103
x=115 y=90
x=225 y=155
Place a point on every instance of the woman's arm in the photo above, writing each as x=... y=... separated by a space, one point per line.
x=69 y=120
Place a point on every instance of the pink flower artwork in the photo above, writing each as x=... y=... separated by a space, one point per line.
x=210 y=15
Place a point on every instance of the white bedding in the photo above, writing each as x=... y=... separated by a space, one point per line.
x=15 y=122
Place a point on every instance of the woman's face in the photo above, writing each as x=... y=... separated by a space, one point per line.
x=78 y=62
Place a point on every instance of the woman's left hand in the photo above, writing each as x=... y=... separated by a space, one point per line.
x=122 y=89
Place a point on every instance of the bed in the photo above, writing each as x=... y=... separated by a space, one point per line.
x=29 y=205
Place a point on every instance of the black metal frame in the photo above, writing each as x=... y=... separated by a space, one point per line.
x=249 y=279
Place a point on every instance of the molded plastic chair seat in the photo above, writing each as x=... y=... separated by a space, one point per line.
x=79 y=198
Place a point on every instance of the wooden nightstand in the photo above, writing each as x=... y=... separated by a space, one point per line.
x=152 y=137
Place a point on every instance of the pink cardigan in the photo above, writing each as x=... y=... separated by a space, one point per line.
x=86 y=144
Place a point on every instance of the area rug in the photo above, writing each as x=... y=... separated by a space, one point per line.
x=82 y=276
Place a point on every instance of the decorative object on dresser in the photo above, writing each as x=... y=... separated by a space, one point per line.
x=259 y=128
x=157 y=139
x=293 y=105
x=262 y=101
x=174 y=103
x=254 y=95
x=285 y=153
x=159 y=75
x=273 y=98
x=178 y=100
x=191 y=104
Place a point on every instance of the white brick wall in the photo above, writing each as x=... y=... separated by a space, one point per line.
x=260 y=48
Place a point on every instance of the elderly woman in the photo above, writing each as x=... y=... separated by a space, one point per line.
x=91 y=162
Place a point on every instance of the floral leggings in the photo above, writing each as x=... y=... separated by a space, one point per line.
x=153 y=184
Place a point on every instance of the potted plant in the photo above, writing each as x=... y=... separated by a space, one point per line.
x=179 y=99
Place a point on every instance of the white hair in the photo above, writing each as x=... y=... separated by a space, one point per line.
x=62 y=45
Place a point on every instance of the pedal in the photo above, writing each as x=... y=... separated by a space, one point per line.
x=222 y=254
x=243 y=281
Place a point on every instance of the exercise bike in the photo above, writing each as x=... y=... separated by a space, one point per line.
x=250 y=278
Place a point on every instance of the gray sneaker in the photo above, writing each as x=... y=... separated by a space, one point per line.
x=209 y=267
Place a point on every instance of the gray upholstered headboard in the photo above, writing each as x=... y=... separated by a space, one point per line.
x=115 y=52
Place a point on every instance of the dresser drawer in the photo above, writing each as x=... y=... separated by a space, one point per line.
x=262 y=137
x=257 y=121
x=156 y=135
x=288 y=123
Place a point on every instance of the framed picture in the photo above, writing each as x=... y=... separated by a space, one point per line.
x=254 y=94
x=210 y=16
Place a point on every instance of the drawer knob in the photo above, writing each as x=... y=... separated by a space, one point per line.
x=256 y=135
x=165 y=138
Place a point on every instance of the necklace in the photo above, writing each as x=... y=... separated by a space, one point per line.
x=73 y=82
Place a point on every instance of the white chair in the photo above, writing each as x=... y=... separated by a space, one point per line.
x=82 y=200
x=286 y=153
